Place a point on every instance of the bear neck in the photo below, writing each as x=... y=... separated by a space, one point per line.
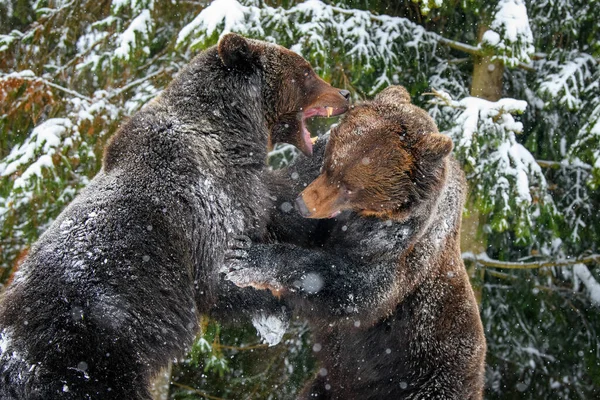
x=438 y=206
x=228 y=109
x=439 y=218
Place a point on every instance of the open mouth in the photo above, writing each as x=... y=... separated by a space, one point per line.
x=335 y=214
x=316 y=112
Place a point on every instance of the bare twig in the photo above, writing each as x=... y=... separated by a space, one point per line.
x=64 y=89
x=53 y=85
x=238 y=348
x=459 y=60
x=465 y=48
x=137 y=82
x=557 y=164
x=484 y=260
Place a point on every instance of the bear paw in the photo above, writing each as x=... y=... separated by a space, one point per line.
x=253 y=277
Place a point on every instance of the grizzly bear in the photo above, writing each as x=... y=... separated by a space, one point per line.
x=111 y=292
x=384 y=286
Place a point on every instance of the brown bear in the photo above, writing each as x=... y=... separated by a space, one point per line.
x=384 y=286
x=111 y=292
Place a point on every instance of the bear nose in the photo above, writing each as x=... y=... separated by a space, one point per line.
x=345 y=93
x=301 y=207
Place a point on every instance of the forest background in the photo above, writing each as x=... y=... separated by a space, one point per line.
x=515 y=83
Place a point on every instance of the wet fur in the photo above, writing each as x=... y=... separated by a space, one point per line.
x=112 y=291
x=396 y=317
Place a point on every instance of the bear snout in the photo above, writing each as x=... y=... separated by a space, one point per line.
x=301 y=207
x=345 y=94
x=321 y=199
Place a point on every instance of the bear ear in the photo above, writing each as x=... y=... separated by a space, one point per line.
x=236 y=52
x=433 y=147
x=393 y=95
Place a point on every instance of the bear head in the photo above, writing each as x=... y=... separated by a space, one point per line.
x=384 y=158
x=292 y=91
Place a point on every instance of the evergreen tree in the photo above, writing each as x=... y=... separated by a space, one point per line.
x=513 y=82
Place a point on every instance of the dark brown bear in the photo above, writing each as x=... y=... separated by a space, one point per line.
x=111 y=292
x=384 y=286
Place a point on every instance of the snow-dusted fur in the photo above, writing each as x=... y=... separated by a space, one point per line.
x=111 y=292
x=385 y=288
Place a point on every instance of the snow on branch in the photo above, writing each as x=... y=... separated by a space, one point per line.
x=230 y=13
x=567 y=81
x=587 y=143
x=510 y=34
x=28 y=75
x=53 y=144
x=44 y=139
x=591 y=284
x=7 y=40
x=504 y=175
x=427 y=5
x=315 y=30
x=137 y=35
x=565 y=163
x=381 y=47
x=282 y=155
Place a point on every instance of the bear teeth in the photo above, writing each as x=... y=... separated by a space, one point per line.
x=329 y=111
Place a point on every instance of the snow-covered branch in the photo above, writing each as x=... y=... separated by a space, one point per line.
x=583 y=273
x=510 y=35
x=500 y=169
x=563 y=164
x=28 y=75
x=569 y=79
x=315 y=29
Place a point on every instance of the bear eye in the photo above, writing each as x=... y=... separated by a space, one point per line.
x=347 y=191
x=308 y=73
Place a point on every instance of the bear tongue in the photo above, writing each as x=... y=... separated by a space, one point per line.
x=306 y=145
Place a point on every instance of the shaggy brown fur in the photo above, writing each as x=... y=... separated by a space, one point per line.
x=385 y=288
x=111 y=292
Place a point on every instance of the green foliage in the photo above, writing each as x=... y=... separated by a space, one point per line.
x=15 y=14
x=427 y=5
x=542 y=332
x=509 y=38
x=352 y=48
x=229 y=363
x=515 y=200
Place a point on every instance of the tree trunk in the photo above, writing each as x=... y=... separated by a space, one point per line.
x=486 y=84
x=470 y=241
x=487 y=75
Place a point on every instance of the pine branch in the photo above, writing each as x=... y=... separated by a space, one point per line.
x=80 y=56
x=484 y=260
x=453 y=44
x=475 y=51
x=543 y=56
x=557 y=164
x=69 y=91
x=198 y=392
x=53 y=85
x=137 y=82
